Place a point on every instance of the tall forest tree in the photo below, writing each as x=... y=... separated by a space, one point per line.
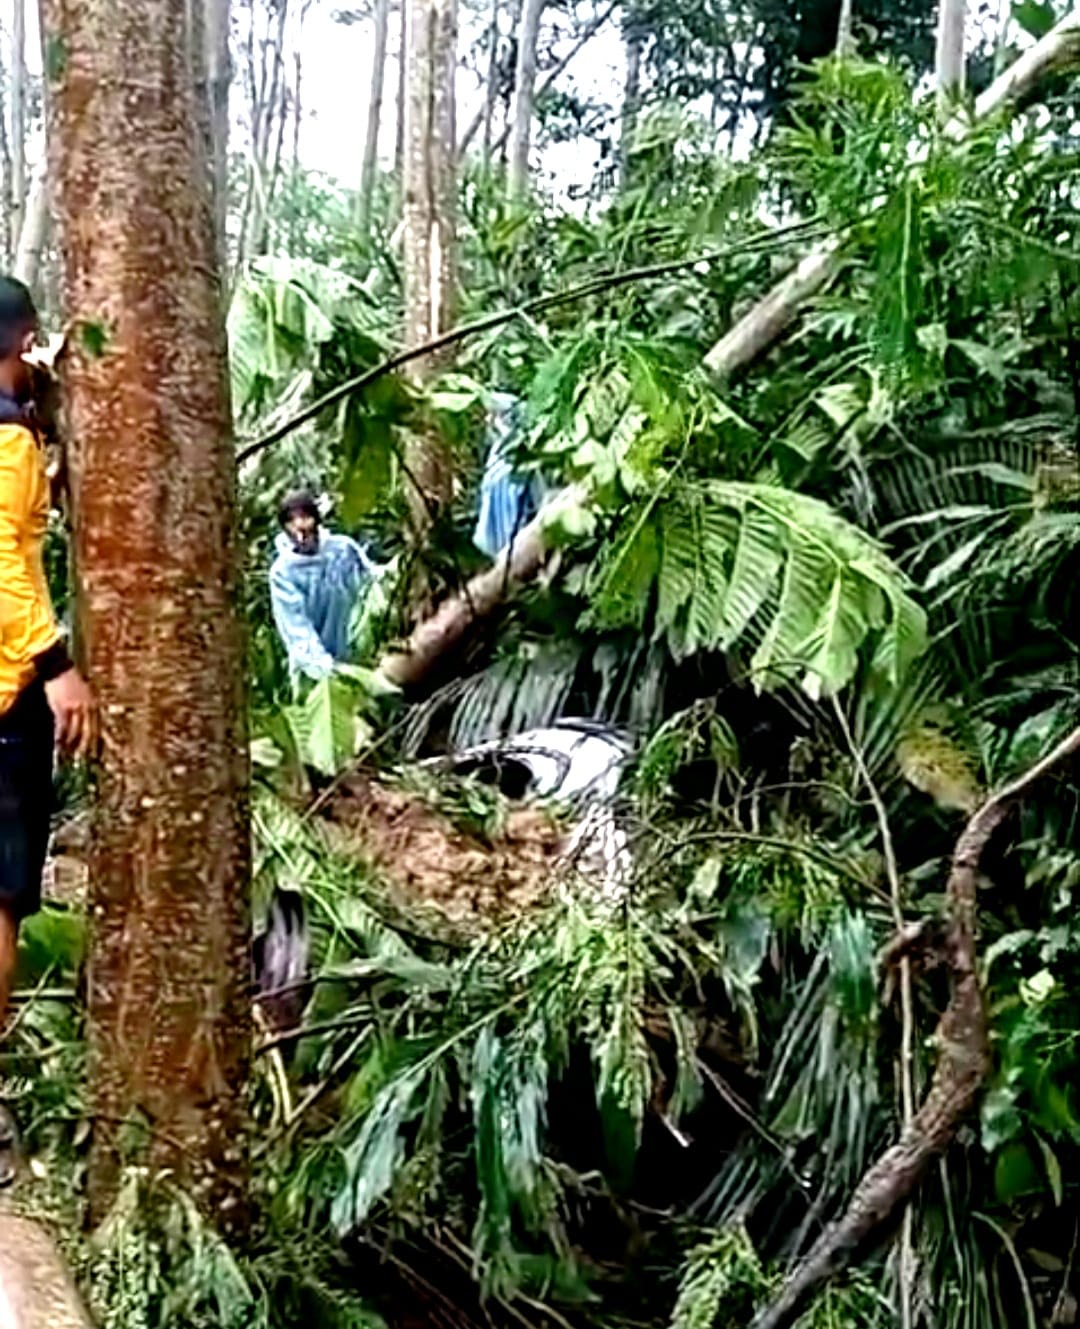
x=19 y=186
x=268 y=97
x=374 y=114
x=430 y=221
x=949 y=55
x=218 y=63
x=633 y=41
x=153 y=478
x=517 y=171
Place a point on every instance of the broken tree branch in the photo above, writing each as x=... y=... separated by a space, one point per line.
x=754 y=333
x=596 y=286
x=546 y=83
x=964 y=1059
x=906 y=1280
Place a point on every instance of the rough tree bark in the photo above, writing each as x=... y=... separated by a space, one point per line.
x=517 y=171
x=153 y=491
x=219 y=73
x=963 y=1061
x=430 y=220
x=374 y=115
x=761 y=327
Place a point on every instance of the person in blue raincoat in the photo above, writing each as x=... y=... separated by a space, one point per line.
x=316 y=580
x=508 y=498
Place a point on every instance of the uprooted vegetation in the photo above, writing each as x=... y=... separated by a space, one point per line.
x=835 y=603
x=470 y=860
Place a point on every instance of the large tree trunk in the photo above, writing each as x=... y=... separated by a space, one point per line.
x=430 y=221
x=374 y=116
x=517 y=175
x=153 y=488
x=757 y=330
x=219 y=73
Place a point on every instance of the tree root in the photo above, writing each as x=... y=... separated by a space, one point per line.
x=964 y=1060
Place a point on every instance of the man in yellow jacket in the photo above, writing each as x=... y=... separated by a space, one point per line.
x=43 y=700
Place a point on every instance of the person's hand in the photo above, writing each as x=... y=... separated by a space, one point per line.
x=72 y=704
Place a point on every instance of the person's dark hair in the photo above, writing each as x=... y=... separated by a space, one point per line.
x=18 y=315
x=299 y=503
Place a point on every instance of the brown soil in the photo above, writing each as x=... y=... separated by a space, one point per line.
x=456 y=877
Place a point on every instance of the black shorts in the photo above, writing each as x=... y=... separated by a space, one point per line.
x=26 y=799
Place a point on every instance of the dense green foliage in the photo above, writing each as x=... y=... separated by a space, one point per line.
x=847 y=577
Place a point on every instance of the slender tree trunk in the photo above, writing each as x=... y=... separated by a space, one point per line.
x=491 y=87
x=632 y=42
x=430 y=221
x=18 y=112
x=298 y=108
x=844 y=29
x=30 y=244
x=8 y=235
x=374 y=116
x=553 y=75
x=153 y=478
x=484 y=117
x=269 y=109
x=949 y=59
x=517 y=178
x=401 y=100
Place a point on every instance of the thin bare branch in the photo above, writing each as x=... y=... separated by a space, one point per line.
x=964 y=1059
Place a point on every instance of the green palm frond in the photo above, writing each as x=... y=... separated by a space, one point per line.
x=718 y=563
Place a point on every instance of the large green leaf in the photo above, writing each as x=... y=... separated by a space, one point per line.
x=725 y=562
x=327 y=724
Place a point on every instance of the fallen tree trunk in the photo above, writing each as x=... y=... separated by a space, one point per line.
x=445 y=628
x=771 y=317
x=964 y=1059
x=758 y=329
